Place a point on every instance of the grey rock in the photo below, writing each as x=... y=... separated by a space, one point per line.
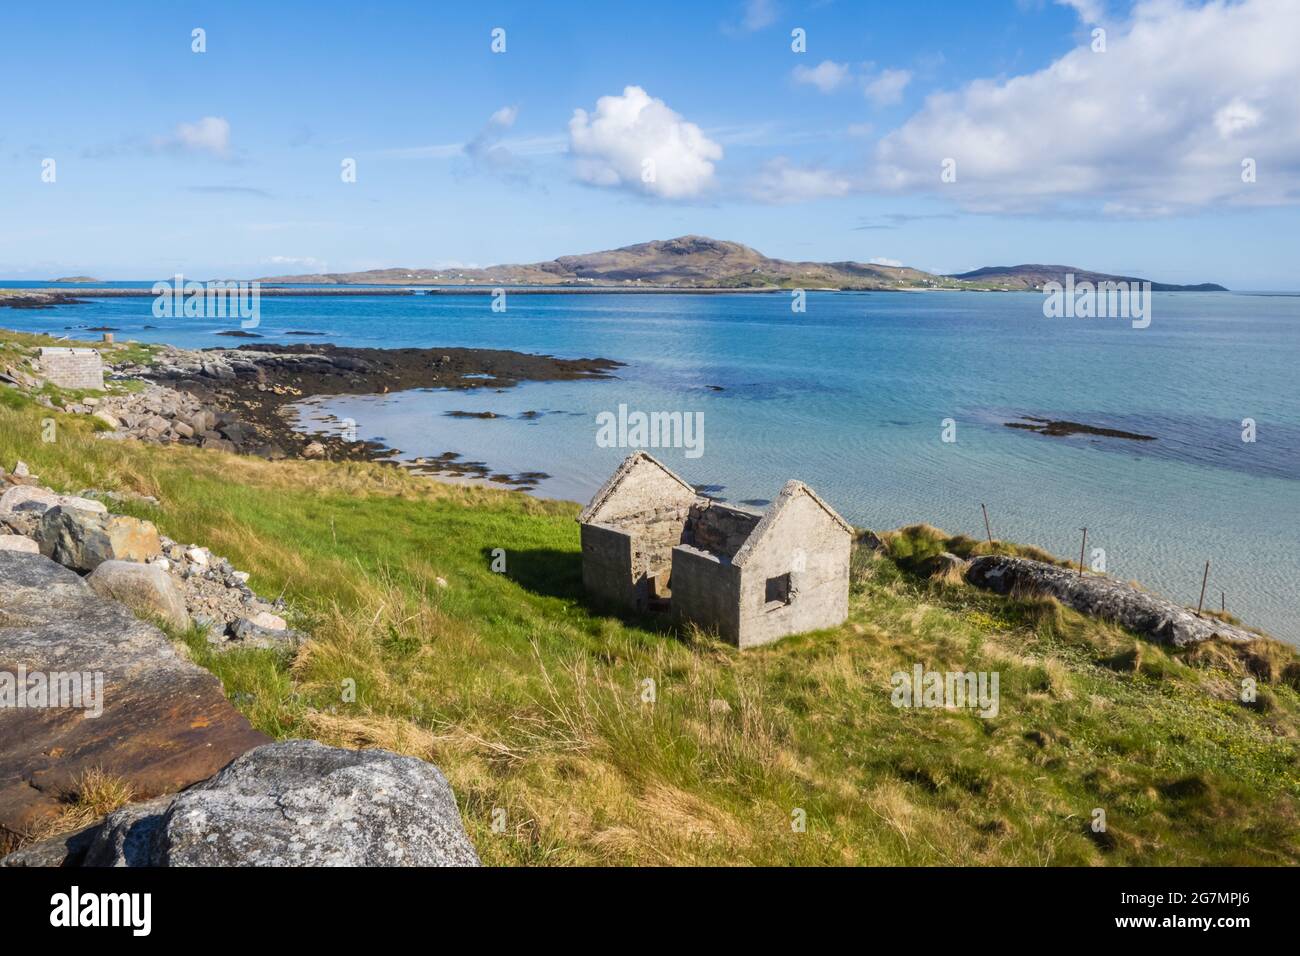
x=18 y=542
x=298 y=803
x=245 y=633
x=83 y=540
x=39 y=500
x=128 y=836
x=1147 y=614
x=146 y=589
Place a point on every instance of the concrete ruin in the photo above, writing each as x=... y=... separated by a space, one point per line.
x=73 y=368
x=651 y=543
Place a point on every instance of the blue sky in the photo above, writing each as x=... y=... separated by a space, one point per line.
x=228 y=162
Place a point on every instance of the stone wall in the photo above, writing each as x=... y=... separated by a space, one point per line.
x=607 y=564
x=720 y=528
x=706 y=591
x=809 y=545
x=73 y=368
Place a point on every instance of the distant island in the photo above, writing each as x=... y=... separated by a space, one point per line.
x=77 y=279
x=698 y=262
x=1036 y=276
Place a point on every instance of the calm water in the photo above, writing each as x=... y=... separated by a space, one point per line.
x=851 y=397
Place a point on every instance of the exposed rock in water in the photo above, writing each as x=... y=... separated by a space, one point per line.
x=165 y=722
x=1147 y=614
x=293 y=803
x=1056 y=428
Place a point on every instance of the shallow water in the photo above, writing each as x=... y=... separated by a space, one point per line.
x=851 y=397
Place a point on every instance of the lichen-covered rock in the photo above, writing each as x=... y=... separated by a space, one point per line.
x=297 y=803
x=83 y=540
x=146 y=589
x=1141 y=612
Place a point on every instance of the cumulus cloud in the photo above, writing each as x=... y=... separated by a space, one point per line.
x=886 y=87
x=1159 y=122
x=210 y=135
x=882 y=261
x=827 y=75
x=781 y=181
x=638 y=142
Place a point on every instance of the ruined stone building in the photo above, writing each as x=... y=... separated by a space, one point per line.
x=73 y=368
x=650 y=542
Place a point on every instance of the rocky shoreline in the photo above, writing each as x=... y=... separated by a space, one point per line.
x=243 y=400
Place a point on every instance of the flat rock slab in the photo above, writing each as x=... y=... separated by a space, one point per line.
x=165 y=721
x=1147 y=614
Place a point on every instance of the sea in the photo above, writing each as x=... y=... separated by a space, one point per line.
x=893 y=406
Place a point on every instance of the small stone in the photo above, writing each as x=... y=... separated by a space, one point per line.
x=268 y=621
x=21 y=470
x=198 y=556
x=314 y=450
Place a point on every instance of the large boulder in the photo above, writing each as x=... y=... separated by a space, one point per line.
x=40 y=500
x=146 y=589
x=297 y=803
x=147 y=715
x=1147 y=614
x=83 y=540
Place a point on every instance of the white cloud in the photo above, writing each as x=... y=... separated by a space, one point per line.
x=209 y=135
x=758 y=14
x=887 y=86
x=1236 y=117
x=1089 y=11
x=882 y=261
x=780 y=181
x=827 y=75
x=636 y=141
x=504 y=117
x=488 y=151
x=1160 y=121
x=310 y=263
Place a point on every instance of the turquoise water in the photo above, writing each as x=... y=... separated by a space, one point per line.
x=851 y=397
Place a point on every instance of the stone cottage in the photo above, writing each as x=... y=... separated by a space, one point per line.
x=650 y=542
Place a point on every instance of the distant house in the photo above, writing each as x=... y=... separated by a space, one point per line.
x=650 y=542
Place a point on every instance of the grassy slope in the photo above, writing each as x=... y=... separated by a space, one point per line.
x=530 y=702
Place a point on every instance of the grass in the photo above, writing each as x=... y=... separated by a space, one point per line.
x=534 y=704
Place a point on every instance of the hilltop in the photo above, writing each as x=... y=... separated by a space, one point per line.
x=698 y=262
